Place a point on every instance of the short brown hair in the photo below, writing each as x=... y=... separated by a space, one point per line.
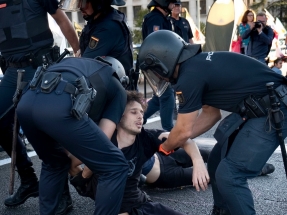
x=134 y=96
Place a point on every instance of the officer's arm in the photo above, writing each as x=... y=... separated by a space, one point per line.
x=67 y=29
x=191 y=125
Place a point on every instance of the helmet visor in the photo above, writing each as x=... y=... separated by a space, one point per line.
x=72 y=5
x=157 y=84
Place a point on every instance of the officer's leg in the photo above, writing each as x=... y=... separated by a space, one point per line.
x=82 y=138
x=166 y=108
x=55 y=164
x=153 y=106
x=249 y=152
x=29 y=181
x=89 y=144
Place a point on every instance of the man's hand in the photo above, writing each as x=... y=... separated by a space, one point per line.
x=260 y=29
x=200 y=177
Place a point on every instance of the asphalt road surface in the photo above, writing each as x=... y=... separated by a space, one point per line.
x=269 y=191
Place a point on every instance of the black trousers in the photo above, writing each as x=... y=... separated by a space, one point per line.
x=176 y=169
x=154 y=208
x=49 y=126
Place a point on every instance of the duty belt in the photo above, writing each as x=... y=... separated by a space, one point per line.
x=21 y=64
x=253 y=107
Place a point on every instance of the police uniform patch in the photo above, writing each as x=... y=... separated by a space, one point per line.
x=180 y=97
x=93 y=42
x=155 y=28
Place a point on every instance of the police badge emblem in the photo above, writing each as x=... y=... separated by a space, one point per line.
x=93 y=42
x=155 y=28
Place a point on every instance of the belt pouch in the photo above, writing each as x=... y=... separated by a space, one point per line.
x=254 y=108
x=49 y=81
x=281 y=93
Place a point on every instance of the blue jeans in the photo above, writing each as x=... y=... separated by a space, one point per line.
x=165 y=105
x=246 y=157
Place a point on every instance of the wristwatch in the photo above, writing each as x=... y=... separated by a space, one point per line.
x=163 y=151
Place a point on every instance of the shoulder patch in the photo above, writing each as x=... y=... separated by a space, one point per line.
x=155 y=28
x=93 y=42
x=180 y=97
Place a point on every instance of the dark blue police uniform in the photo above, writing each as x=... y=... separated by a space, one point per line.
x=155 y=21
x=108 y=35
x=182 y=28
x=19 y=41
x=49 y=126
x=213 y=83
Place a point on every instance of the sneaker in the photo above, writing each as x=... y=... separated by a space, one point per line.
x=267 y=169
x=219 y=211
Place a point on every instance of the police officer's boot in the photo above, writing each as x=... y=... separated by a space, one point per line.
x=29 y=188
x=219 y=211
x=66 y=203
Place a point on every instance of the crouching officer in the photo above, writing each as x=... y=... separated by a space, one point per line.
x=201 y=82
x=106 y=32
x=53 y=115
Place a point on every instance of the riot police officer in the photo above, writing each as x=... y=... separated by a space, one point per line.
x=24 y=37
x=154 y=21
x=106 y=32
x=201 y=82
x=53 y=116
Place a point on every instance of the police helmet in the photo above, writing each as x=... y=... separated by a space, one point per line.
x=98 y=5
x=118 y=67
x=161 y=3
x=159 y=54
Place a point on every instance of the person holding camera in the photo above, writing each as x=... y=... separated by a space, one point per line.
x=261 y=37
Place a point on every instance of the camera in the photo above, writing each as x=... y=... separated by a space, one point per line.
x=257 y=24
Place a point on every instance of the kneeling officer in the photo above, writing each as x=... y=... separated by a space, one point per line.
x=53 y=116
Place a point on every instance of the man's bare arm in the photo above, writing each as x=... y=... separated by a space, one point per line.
x=67 y=29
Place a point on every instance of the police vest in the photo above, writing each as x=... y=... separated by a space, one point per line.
x=18 y=32
x=125 y=57
x=96 y=73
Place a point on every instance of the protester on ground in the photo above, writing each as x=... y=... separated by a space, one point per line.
x=261 y=36
x=138 y=145
x=25 y=37
x=204 y=87
x=247 y=19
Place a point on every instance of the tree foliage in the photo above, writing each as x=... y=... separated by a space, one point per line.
x=137 y=32
x=277 y=8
